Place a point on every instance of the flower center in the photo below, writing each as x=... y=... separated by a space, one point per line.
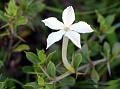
x=66 y=29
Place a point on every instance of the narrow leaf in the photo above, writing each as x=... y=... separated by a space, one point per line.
x=21 y=21
x=116 y=49
x=77 y=60
x=106 y=49
x=32 y=57
x=94 y=75
x=21 y=47
x=51 y=69
x=50 y=55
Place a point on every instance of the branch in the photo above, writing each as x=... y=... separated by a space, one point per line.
x=79 y=69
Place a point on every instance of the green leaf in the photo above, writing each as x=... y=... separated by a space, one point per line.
x=41 y=55
x=21 y=47
x=85 y=53
x=3 y=17
x=31 y=85
x=11 y=9
x=21 y=21
x=68 y=81
x=113 y=84
x=111 y=30
x=96 y=49
x=77 y=60
x=47 y=87
x=41 y=81
x=106 y=49
x=94 y=75
x=28 y=69
x=50 y=55
x=3 y=81
x=116 y=49
x=112 y=38
x=32 y=57
x=51 y=69
x=2 y=85
x=102 y=21
x=110 y=19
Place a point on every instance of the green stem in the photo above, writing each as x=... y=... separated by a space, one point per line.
x=11 y=35
x=79 y=69
x=45 y=73
x=4 y=26
x=67 y=65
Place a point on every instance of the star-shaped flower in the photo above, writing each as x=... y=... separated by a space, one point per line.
x=67 y=28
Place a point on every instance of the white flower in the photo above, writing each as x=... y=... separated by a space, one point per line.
x=67 y=28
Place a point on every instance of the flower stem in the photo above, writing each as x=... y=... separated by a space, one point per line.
x=67 y=65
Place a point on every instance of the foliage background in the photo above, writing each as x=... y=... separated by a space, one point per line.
x=104 y=17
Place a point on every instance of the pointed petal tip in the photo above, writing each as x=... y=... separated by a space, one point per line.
x=82 y=27
x=53 y=23
x=79 y=46
x=47 y=48
x=92 y=30
x=43 y=21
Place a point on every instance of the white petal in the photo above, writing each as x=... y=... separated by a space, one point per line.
x=68 y=16
x=54 y=37
x=81 y=27
x=53 y=23
x=74 y=37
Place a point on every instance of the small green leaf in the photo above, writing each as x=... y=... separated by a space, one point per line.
x=94 y=75
x=21 y=47
x=47 y=87
x=3 y=17
x=116 y=49
x=28 y=69
x=112 y=38
x=21 y=21
x=41 y=55
x=41 y=81
x=85 y=53
x=102 y=21
x=110 y=19
x=113 y=84
x=51 y=69
x=68 y=81
x=111 y=30
x=32 y=57
x=106 y=49
x=31 y=85
x=11 y=9
x=77 y=60
x=2 y=84
x=96 y=49
x=50 y=55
